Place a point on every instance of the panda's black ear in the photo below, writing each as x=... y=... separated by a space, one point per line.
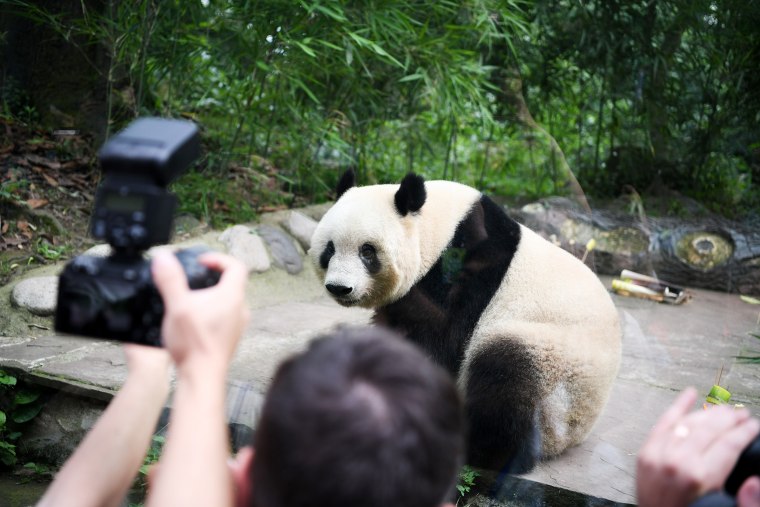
x=347 y=181
x=411 y=194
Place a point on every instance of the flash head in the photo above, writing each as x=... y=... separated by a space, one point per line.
x=133 y=208
x=159 y=149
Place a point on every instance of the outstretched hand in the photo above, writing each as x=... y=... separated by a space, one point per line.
x=201 y=325
x=688 y=454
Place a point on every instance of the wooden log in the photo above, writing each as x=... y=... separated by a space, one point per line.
x=712 y=253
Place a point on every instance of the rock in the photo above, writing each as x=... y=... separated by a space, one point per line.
x=103 y=250
x=245 y=245
x=284 y=252
x=300 y=227
x=38 y=295
x=54 y=434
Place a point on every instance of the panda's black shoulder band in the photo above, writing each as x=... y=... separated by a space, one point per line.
x=347 y=181
x=411 y=194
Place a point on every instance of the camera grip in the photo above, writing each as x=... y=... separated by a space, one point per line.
x=714 y=499
x=747 y=466
x=198 y=275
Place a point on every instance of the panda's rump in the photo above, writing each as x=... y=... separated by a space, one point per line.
x=558 y=315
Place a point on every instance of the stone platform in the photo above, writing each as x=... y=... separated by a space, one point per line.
x=665 y=349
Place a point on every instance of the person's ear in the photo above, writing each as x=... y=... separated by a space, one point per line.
x=240 y=470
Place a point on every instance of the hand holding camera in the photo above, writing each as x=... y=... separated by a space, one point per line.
x=692 y=457
x=201 y=329
x=115 y=297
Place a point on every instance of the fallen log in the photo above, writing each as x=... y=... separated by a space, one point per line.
x=711 y=253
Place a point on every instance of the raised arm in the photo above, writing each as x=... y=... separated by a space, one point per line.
x=102 y=468
x=201 y=329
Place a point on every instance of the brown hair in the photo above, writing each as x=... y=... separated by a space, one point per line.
x=360 y=418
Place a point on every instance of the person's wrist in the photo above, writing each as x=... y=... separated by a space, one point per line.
x=203 y=368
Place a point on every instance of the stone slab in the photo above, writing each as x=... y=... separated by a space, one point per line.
x=38 y=351
x=665 y=349
x=277 y=331
x=104 y=366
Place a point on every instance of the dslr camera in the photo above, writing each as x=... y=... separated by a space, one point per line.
x=114 y=297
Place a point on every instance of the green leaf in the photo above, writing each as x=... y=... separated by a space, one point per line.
x=337 y=16
x=306 y=49
x=7 y=453
x=8 y=380
x=26 y=413
x=411 y=77
x=300 y=84
x=3 y=418
x=750 y=300
x=26 y=397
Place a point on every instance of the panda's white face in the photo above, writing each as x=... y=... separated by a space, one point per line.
x=366 y=252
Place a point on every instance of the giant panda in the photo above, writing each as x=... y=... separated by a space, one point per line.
x=529 y=332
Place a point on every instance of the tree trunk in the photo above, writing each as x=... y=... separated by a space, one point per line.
x=64 y=81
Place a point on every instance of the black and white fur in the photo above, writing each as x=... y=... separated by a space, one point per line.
x=529 y=331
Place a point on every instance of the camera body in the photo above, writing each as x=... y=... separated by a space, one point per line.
x=747 y=465
x=114 y=297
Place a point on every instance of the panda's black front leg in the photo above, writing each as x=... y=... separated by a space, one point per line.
x=422 y=320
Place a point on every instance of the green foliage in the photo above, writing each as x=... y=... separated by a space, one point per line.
x=466 y=481
x=36 y=471
x=153 y=455
x=510 y=96
x=723 y=181
x=18 y=406
x=49 y=251
x=750 y=359
x=216 y=199
x=10 y=190
x=151 y=458
x=15 y=103
x=667 y=81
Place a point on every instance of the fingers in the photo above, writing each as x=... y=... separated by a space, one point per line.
x=749 y=493
x=703 y=428
x=168 y=276
x=680 y=407
x=723 y=454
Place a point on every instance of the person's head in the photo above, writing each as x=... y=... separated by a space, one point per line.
x=360 y=418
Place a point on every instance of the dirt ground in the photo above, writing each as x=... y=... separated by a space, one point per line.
x=47 y=185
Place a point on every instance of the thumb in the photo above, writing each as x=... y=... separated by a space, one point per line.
x=168 y=276
x=749 y=493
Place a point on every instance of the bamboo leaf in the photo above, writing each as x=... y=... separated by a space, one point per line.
x=411 y=77
x=750 y=300
x=306 y=49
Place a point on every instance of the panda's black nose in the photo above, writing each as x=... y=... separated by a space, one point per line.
x=338 y=290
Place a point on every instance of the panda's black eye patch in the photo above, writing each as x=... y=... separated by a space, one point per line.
x=327 y=253
x=368 y=255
